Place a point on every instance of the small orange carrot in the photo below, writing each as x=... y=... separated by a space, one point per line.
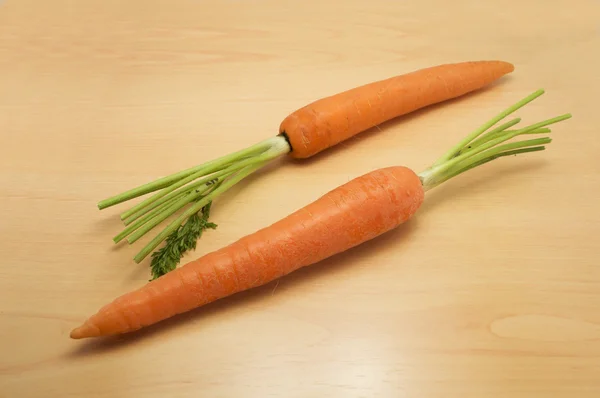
x=347 y=216
x=304 y=133
x=331 y=120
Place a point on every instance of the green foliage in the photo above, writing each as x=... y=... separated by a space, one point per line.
x=183 y=239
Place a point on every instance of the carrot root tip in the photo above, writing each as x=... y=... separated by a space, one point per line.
x=84 y=331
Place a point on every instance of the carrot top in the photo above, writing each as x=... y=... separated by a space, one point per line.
x=484 y=145
x=195 y=188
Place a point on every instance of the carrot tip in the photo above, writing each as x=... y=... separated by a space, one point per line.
x=84 y=331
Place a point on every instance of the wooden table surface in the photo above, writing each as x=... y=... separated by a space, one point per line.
x=493 y=290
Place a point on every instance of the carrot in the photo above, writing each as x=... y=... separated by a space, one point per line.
x=330 y=120
x=353 y=213
x=305 y=132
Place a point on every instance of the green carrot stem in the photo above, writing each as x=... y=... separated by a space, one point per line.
x=149 y=213
x=486 y=137
x=173 y=191
x=151 y=208
x=488 y=147
x=152 y=221
x=498 y=130
x=487 y=159
x=195 y=208
x=170 y=179
x=480 y=130
x=150 y=224
x=150 y=216
x=224 y=173
x=498 y=149
x=157 y=215
x=207 y=173
x=431 y=180
x=473 y=151
x=542 y=130
x=163 y=205
x=496 y=156
x=144 y=189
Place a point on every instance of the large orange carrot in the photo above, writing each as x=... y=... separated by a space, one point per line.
x=303 y=133
x=347 y=216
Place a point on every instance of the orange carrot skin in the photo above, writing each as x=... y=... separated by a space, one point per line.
x=331 y=120
x=347 y=216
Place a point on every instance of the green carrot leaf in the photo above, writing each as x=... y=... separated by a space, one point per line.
x=179 y=242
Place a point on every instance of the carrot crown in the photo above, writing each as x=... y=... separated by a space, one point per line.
x=195 y=187
x=487 y=143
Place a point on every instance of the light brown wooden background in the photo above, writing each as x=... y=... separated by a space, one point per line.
x=492 y=291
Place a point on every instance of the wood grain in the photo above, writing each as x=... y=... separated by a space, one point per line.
x=492 y=291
